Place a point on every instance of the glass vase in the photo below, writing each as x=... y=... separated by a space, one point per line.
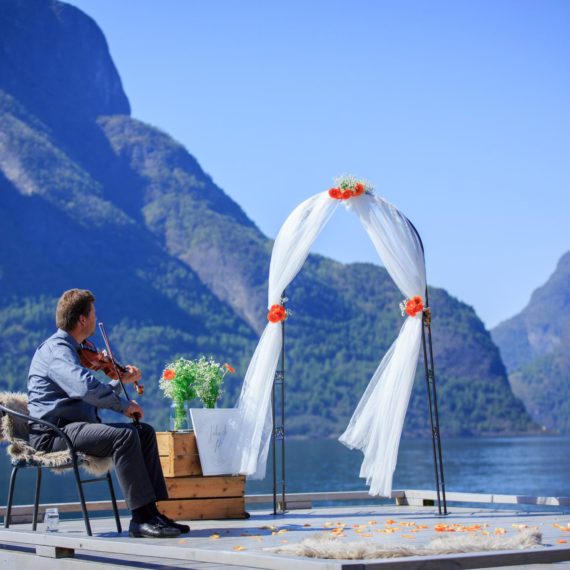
x=180 y=416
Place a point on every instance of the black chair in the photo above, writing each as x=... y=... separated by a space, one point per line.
x=14 y=429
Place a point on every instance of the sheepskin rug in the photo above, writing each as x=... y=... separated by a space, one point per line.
x=15 y=432
x=327 y=546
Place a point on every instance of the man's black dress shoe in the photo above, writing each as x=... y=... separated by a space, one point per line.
x=183 y=528
x=153 y=528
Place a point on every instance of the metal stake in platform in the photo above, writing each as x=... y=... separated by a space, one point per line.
x=278 y=433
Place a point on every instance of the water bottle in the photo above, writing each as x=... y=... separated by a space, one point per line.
x=51 y=519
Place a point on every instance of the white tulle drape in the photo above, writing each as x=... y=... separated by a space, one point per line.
x=248 y=441
x=376 y=425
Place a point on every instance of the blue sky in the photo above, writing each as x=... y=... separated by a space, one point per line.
x=457 y=111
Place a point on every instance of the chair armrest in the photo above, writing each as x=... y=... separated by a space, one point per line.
x=59 y=432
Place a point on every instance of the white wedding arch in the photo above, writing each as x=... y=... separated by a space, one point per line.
x=376 y=425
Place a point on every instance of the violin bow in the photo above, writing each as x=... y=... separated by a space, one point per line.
x=117 y=372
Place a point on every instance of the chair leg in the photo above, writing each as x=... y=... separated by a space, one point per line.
x=37 y=498
x=82 y=499
x=114 y=501
x=10 y=497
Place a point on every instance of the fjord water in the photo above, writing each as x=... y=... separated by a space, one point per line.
x=536 y=466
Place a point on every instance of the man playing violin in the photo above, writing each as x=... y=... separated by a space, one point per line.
x=63 y=392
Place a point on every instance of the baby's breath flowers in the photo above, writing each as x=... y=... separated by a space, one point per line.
x=349 y=187
x=184 y=380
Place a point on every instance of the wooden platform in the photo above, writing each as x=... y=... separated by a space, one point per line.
x=240 y=543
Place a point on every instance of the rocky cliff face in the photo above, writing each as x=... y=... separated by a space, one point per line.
x=90 y=197
x=540 y=327
x=54 y=59
x=535 y=347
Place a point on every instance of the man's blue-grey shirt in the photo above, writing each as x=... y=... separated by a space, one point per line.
x=60 y=388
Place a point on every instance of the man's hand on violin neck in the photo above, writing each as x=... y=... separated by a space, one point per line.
x=133 y=374
x=134 y=411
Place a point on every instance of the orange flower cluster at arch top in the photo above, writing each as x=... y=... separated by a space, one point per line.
x=346 y=193
x=414 y=306
x=276 y=314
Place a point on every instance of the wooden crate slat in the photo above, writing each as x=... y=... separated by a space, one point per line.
x=196 y=509
x=163 y=440
x=180 y=466
x=205 y=487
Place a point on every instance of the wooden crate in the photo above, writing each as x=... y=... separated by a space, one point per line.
x=191 y=495
x=178 y=454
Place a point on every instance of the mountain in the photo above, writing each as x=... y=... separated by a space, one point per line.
x=534 y=345
x=91 y=197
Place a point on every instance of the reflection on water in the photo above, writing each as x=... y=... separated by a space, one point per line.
x=522 y=466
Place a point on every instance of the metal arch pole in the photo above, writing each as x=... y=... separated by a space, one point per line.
x=436 y=436
x=278 y=432
x=273 y=450
x=432 y=399
x=283 y=505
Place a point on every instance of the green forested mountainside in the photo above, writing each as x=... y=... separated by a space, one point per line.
x=535 y=347
x=90 y=197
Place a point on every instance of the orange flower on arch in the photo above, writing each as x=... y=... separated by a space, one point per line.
x=349 y=187
x=335 y=193
x=414 y=306
x=168 y=374
x=276 y=314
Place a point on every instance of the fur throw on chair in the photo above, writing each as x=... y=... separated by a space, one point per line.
x=16 y=431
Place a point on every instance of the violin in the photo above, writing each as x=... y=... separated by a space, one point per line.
x=99 y=360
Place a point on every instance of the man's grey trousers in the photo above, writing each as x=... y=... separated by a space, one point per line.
x=134 y=452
